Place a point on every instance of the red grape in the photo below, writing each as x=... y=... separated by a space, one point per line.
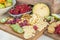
x=18 y=20
x=21 y=24
x=35 y=27
x=57 y=29
x=11 y=11
x=11 y=21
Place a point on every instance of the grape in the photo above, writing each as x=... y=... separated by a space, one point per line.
x=35 y=27
x=21 y=24
x=16 y=12
x=11 y=11
x=24 y=23
x=2 y=6
x=57 y=29
x=11 y=21
x=18 y=20
x=9 y=1
x=3 y=20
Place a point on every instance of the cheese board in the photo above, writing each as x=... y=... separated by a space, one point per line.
x=8 y=29
x=54 y=36
x=25 y=25
x=29 y=20
x=53 y=30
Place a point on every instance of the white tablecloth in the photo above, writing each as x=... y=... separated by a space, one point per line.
x=7 y=36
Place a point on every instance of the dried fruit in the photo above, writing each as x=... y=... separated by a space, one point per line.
x=51 y=29
x=26 y=16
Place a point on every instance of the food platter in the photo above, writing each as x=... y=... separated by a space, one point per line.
x=53 y=32
x=8 y=29
x=54 y=36
x=29 y=21
x=28 y=26
x=20 y=35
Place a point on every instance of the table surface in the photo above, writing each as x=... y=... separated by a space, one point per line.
x=7 y=36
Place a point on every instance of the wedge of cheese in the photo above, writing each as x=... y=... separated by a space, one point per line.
x=41 y=9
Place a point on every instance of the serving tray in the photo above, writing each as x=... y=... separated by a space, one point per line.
x=8 y=29
x=54 y=36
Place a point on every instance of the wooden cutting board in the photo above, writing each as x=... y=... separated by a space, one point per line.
x=9 y=30
x=54 y=36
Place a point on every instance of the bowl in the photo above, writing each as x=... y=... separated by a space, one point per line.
x=18 y=15
x=4 y=10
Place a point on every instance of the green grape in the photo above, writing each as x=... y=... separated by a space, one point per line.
x=8 y=4
x=17 y=28
x=56 y=16
x=9 y=1
x=2 y=6
x=48 y=18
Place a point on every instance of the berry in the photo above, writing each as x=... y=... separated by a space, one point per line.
x=20 y=9
x=18 y=20
x=16 y=12
x=11 y=11
x=57 y=29
x=25 y=21
x=11 y=21
x=21 y=24
x=35 y=27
